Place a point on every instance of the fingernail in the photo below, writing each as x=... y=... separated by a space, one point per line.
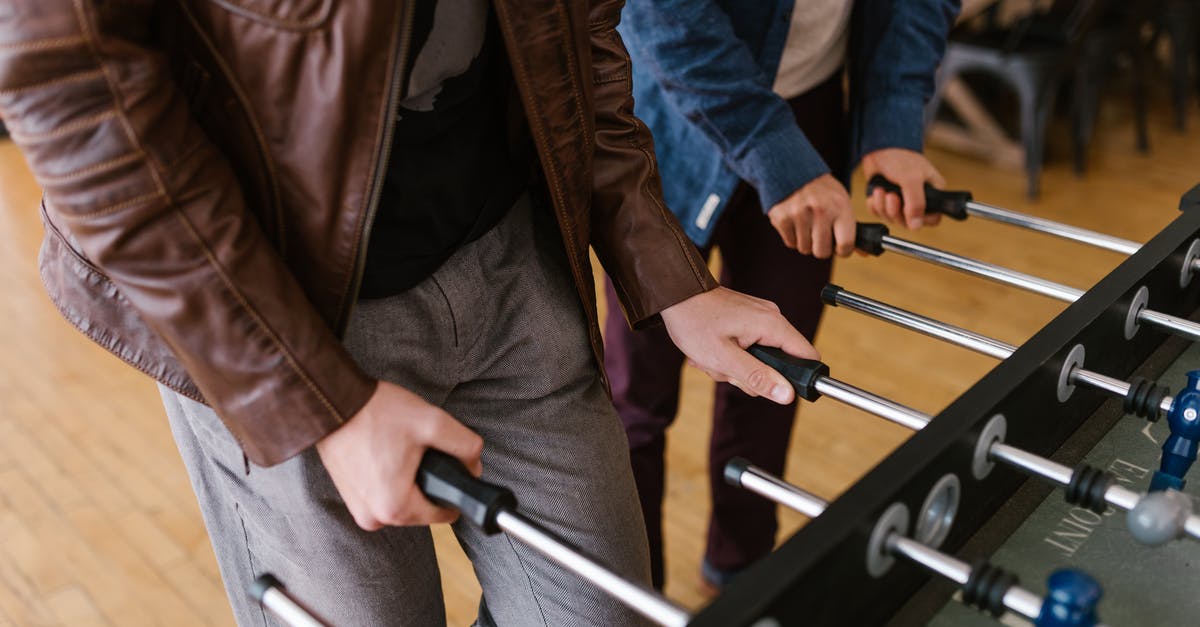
x=914 y=224
x=779 y=393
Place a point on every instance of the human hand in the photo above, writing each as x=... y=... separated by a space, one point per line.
x=714 y=329
x=373 y=458
x=910 y=170
x=814 y=217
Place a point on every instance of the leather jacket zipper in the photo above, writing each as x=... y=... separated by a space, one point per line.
x=381 y=166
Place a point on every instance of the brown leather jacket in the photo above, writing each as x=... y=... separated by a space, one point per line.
x=211 y=168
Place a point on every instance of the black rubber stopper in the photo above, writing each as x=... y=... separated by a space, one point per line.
x=829 y=294
x=868 y=237
x=986 y=587
x=734 y=470
x=1087 y=488
x=1144 y=398
x=950 y=203
x=801 y=373
x=262 y=584
x=445 y=481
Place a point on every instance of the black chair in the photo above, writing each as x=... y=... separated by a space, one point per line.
x=1118 y=33
x=1033 y=56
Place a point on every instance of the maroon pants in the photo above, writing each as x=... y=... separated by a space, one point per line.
x=644 y=366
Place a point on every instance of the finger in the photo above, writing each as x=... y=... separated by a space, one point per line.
x=786 y=231
x=875 y=202
x=802 y=228
x=914 y=204
x=454 y=438
x=935 y=178
x=933 y=219
x=891 y=208
x=822 y=236
x=844 y=232
x=780 y=333
x=756 y=378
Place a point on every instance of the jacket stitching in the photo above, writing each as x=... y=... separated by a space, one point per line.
x=572 y=71
x=162 y=190
x=113 y=163
x=63 y=80
x=43 y=44
x=113 y=208
x=65 y=129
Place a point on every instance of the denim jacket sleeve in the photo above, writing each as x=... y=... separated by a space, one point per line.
x=900 y=48
x=712 y=78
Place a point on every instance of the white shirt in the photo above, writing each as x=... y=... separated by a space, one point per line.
x=815 y=46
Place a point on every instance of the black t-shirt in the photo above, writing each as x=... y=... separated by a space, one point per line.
x=453 y=174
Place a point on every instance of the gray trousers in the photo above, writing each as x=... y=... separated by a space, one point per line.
x=496 y=337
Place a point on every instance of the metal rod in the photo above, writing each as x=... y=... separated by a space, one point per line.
x=1066 y=231
x=993 y=272
x=1017 y=599
x=1000 y=274
x=1095 y=380
x=639 y=598
x=1031 y=463
x=921 y=324
x=760 y=482
x=1176 y=325
x=971 y=340
x=287 y=609
x=871 y=403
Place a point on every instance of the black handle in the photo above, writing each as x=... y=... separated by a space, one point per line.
x=447 y=482
x=801 y=373
x=868 y=237
x=943 y=201
x=829 y=294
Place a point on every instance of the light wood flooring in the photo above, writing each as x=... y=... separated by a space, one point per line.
x=98 y=525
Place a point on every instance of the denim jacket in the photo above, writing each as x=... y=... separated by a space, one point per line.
x=702 y=77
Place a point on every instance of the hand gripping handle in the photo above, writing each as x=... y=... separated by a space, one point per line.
x=447 y=482
x=801 y=373
x=946 y=202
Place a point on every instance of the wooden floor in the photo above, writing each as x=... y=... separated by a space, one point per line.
x=99 y=526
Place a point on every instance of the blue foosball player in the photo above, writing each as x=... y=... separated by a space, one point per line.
x=1071 y=600
x=1179 y=451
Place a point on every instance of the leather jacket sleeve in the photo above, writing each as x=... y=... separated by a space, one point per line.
x=142 y=194
x=652 y=264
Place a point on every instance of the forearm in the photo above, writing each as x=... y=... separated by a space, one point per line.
x=148 y=200
x=652 y=263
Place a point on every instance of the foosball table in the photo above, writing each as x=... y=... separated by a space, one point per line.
x=1053 y=491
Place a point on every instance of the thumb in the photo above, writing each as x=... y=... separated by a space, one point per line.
x=756 y=378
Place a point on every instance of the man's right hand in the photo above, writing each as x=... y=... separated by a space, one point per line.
x=373 y=458
x=816 y=219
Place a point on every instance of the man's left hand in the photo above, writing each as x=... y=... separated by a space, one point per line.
x=715 y=328
x=910 y=170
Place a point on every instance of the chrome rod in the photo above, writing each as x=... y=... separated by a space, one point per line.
x=1031 y=463
x=1176 y=325
x=1005 y=276
x=288 y=610
x=921 y=324
x=1116 y=387
x=1017 y=599
x=765 y=484
x=639 y=598
x=758 y=481
x=1066 y=231
x=969 y=339
x=872 y=404
x=993 y=272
